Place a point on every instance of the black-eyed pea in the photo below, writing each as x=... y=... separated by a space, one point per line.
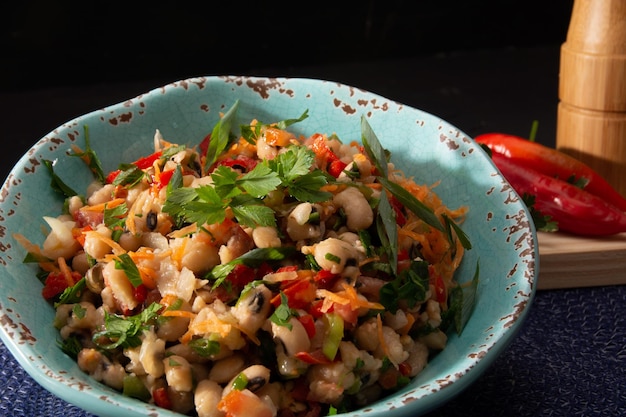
x=359 y=213
x=295 y=339
x=332 y=254
x=255 y=377
x=253 y=308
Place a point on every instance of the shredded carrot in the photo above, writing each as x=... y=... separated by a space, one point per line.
x=179 y=313
x=168 y=300
x=66 y=271
x=355 y=302
x=381 y=339
x=407 y=327
x=106 y=205
x=117 y=249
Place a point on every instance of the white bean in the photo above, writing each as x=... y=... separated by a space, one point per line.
x=151 y=354
x=266 y=237
x=298 y=226
x=178 y=373
x=226 y=369
x=206 y=397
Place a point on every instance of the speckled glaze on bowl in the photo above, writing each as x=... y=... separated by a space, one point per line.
x=430 y=149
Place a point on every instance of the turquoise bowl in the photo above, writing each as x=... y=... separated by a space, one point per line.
x=426 y=147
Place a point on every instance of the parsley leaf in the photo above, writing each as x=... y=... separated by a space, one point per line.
x=126 y=264
x=253 y=258
x=283 y=312
x=125 y=331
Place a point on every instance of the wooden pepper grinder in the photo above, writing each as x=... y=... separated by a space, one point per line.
x=591 y=115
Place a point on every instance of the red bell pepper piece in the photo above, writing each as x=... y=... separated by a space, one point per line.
x=551 y=162
x=574 y=209
x=162 y=398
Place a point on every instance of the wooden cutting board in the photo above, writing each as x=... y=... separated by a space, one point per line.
x=567 y=261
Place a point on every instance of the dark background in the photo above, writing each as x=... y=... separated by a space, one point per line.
x=64 y=42
x=482 y=65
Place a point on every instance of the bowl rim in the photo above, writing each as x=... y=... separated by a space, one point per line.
x=428 y=403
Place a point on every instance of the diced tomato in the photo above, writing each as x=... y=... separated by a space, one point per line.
x=287 y=268
x=162 y=398
x=140 y=293
x=264 y=269
x=326 y=157
x=56 y=283
x=241 y=275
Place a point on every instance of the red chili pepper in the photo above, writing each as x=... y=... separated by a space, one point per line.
x=574 y=209
x=551 y=162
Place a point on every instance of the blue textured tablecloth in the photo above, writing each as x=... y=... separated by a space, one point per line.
x=569 y=359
